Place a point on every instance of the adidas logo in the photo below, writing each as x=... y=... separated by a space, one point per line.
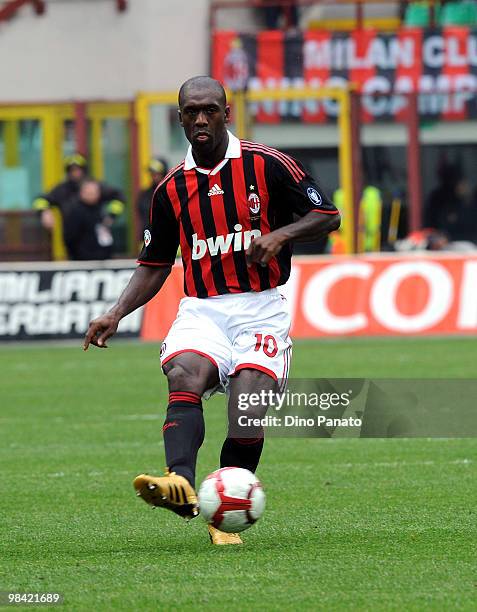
x=215 y=191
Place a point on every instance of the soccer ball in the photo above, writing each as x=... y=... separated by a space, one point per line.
x=231 y=499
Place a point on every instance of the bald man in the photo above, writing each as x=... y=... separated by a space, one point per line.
x=231 y=206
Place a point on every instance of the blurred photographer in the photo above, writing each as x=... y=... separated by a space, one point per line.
x=87 y=225
x=56 y=205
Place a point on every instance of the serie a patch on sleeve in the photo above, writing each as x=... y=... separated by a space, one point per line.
x=314 y=196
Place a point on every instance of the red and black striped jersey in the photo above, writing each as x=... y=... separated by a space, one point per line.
x=213 y=214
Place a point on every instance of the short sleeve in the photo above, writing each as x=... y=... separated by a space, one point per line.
x=295 y=189
x=161 y=235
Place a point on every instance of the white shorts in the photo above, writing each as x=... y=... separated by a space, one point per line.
x=234 y=331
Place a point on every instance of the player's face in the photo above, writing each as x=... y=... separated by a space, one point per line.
x=203 y=116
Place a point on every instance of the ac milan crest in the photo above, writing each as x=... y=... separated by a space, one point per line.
x=254 y=203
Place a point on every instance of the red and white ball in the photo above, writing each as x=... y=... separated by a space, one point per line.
x=231 y=499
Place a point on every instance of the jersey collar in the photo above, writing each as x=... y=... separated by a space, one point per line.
x=234 y=150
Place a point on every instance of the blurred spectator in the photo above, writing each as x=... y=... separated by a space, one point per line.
x=87 y=224
x=449 y=207
x=429 y=239
x=63 y=195
x=280 y=16
x=370 y=217
x=157 y=169
x=370 y=214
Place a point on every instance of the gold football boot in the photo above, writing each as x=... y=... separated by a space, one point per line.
x=221 y=537
x=171 y=491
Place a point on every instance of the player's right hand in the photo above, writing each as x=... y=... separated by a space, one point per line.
x=100 y=330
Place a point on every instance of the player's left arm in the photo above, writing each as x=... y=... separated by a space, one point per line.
x=302 y=196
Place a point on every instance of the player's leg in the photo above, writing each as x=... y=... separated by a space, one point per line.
x=244 y=443
x=195 y=357
x=188 y=375
x=261 y=354
x=242 y=446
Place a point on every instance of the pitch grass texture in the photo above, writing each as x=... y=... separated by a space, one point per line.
x=350 y=524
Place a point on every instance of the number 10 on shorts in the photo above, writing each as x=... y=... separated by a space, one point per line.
x=268 y=344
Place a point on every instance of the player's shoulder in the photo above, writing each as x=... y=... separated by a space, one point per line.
x=173 y=173
x=274 y=157
x=257 y=148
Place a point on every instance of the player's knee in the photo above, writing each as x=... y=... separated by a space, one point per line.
x=190 y=372
x=251 y=380
x=181 y=378
x=250 y=395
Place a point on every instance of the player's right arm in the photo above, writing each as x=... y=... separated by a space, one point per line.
x=145 y=282
x=161 y=240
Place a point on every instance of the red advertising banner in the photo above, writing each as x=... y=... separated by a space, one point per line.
x=360 y=296
x=372 y=295
x=439 y=64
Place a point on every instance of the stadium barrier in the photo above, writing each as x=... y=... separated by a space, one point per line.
x=361 y=296
x=382 y=295
x=49 y=301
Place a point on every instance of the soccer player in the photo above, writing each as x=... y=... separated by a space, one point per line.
x=231 y=206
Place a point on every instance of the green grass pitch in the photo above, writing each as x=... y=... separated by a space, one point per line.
x=350 y=524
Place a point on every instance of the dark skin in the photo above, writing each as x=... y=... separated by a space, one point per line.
x=204 y=115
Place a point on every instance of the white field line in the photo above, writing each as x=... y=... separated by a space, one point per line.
x=392 y=464
x=398 y=464
x=91 y=474
x=89 y=422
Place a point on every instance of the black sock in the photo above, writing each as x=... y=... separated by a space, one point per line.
x=241 y=452
x=183 y=433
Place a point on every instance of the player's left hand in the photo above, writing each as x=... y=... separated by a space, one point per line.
x=264 y=248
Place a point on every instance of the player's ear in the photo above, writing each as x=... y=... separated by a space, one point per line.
x=180 y=116
x=227 y=113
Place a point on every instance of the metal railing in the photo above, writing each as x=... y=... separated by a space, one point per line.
x=226 y=5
